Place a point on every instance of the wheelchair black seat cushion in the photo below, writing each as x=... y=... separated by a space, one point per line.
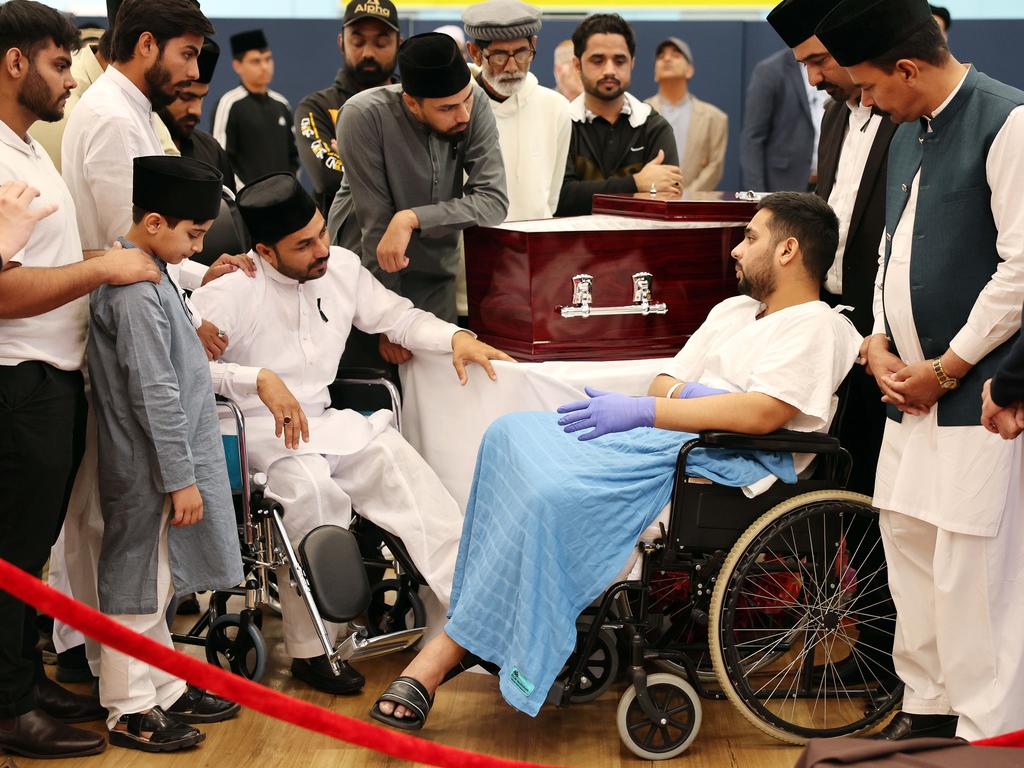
x=334 y=566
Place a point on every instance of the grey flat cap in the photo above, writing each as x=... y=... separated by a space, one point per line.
x=501 y=20
x=678 y=44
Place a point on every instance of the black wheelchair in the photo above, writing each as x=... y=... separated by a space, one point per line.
x=338 y=573
x=761 y=601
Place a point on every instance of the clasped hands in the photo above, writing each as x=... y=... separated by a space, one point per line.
x=913 y=389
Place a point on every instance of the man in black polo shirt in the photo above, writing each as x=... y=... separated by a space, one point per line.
x=369 y=47
x=252 y=122
x=619 y=145
x=182 y=116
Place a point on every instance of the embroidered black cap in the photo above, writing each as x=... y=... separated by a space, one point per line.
x=274 y=207
x=179 y=187
x=383 y=11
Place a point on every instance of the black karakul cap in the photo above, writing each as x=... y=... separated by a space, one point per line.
x=208 y=61
x=274 y=207
x=251 y=40
x=432 y=66
x=796 y=20
x=861 y=30
x=179 y=187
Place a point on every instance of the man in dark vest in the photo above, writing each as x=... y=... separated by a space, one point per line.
x=852 y=156
x=947 y=309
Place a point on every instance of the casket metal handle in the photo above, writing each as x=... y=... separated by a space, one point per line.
x=583 y=294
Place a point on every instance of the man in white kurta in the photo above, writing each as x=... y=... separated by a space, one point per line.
x=947 y=301
x=297 y=313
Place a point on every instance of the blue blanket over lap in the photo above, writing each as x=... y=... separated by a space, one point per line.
x=551 y=521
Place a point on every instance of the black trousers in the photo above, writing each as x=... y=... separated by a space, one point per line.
x=42 y=438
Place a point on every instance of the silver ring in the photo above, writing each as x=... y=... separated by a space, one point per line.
x=221 y=334
x=654 y=189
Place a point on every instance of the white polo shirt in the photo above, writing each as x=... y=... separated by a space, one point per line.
x=56 y=337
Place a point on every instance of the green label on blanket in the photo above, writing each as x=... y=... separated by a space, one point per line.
x=519 y=681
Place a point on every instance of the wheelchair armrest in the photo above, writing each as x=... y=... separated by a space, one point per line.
x=780 y=440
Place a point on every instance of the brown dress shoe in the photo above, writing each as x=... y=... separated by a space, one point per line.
x=36 y=734
x=64 y=705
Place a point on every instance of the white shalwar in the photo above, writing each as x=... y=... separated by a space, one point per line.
x=299 y=331
x=127 y=685
x=950 y=500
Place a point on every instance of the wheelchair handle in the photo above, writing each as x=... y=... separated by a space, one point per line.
x=259 y=481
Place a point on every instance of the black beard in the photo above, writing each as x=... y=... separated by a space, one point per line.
x=157 y=78
x=368 y=73
x=34 y=95
x=178 y=131
x=597 y=93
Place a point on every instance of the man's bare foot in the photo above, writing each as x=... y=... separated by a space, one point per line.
x=429 y=668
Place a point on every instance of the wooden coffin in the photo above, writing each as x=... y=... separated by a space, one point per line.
x=520 y=277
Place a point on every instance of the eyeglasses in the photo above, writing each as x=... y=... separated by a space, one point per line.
x=499 y=59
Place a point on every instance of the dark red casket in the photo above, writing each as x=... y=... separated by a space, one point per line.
x=653 y=268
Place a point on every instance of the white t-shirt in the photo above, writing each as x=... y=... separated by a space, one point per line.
x=799 y=355
x=56 y=337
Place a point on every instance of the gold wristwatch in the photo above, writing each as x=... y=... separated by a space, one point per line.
x=945 y=381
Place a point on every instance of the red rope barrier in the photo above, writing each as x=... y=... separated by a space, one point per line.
x=272 y=703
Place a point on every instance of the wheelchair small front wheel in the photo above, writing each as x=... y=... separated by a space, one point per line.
x=394 y=606
x=601 y=668
x=679 y=720
x=232 y=646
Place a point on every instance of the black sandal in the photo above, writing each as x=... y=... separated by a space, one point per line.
x=166 y=733
x=407 y=692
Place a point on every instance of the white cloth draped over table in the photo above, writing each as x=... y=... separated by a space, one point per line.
x=445 y=422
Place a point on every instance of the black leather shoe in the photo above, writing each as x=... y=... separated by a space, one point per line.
x=154 y=731
x=198 y=706
x=317 y=673
x=72 y=666
x=188 y=606
x=36 y=734
x=907 y=726
x=65 y=705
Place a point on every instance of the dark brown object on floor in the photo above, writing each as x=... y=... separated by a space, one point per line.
x=912 y=753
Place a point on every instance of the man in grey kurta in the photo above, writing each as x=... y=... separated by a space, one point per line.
x=398 y=162
x=169 y=521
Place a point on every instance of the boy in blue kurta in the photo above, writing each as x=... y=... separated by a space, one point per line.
x=167 y=509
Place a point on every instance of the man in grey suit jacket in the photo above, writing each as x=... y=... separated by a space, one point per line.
x=778 y=139
x=701 y=129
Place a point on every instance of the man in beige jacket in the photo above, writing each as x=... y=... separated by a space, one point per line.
x=701 y=129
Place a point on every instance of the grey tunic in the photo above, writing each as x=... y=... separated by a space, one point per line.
x=158 y=432
x=393 y=163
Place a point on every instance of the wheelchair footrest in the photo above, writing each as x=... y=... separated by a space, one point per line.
x=334 y=567
x=359 y=646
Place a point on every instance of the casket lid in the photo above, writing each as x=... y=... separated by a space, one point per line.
x=701 y=206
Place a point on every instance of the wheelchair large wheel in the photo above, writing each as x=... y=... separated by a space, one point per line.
x=242 y=651
x=673 y=732
x=394 y=606
x=787 y=611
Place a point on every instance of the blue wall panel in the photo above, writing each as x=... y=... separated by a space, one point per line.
x=725 y=52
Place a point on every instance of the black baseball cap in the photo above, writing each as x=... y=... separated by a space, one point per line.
x=383 y=11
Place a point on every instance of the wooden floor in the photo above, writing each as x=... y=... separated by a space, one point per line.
x=469 y=713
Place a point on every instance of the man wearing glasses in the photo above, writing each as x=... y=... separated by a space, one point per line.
x=533 y=121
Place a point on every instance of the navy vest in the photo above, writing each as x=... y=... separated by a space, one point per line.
x=954 y=253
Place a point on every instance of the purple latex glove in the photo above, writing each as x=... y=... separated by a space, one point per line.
x=606 y=412
x=696 y=389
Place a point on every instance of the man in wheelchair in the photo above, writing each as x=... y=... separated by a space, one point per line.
x=551 y=520
x=296 y=314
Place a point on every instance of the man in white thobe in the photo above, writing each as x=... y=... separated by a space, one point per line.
x=298 y=311
x=947 y=306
